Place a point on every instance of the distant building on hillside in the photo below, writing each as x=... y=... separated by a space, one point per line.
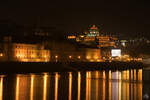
x=22 y=52
x=93 y=37
x=93 y=31
x=68 y=52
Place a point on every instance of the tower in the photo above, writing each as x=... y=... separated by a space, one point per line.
x=93 y=31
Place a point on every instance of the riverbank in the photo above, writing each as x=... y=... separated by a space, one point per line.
x=21 y=67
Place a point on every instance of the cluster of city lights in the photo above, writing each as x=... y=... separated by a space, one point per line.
x=70 y=57
x=88 y=58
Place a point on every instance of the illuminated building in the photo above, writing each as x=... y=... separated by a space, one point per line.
x=23 y=52
x=106 y=41
x=93 y=36
x=93 y=31
x=29 y=53
x=93 y=55
x=71 y=37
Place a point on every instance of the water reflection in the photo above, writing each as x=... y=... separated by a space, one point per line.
x=109 y=87
x=88 y=85
x=91 y=85
x=22 y=90
x=97 y=76
x=17 y=88
x=1 y=87
x=32 y=87
x=56 y=86
x=79 y=85
x=70 y=86
x=45 y=87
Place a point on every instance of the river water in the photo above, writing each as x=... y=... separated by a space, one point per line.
x=90 y=85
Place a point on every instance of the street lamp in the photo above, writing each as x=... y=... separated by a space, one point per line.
x=56 y=58
x=79 y=57
x=70 y=57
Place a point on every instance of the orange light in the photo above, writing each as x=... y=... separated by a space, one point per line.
x=32 y=87
x=56 y=56
x=71 y=37
x=82 y=36
x=79 y=85
x=79 y=57
x=1 y=54
x=93 y=27
x=70 y=57
x=70 y=86
x=88 y=57
x=95 y=57
x=45 y=86
x=56 y=85
x=17 y=88
x=1 y=88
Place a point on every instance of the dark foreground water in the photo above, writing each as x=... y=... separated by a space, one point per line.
x=90 y=85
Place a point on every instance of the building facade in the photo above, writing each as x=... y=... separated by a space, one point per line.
x=93 y=37
x=21 y=52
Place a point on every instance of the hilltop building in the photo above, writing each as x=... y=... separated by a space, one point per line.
x=93 y=31
x=93 y=37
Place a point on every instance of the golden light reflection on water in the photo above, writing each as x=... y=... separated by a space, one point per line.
x=99 y=85
x=109 y=90
x=32 y=87
x=56 y=85
x=135 y=74
x=88 y=85
x=1 y=88
x=103 y=89
x=120 y=83
x=135 y=90
x=45 y=87
x=109 y=87
x=128 y=90
x=104 y=76
x=124 y=90
x=131 y=77
x=140 y=87
x=127 y=74
x=17 y=88
x=70 y=85
x=109 y=74
x=79 y=85
x=21 y=89
x=140 y=74
x=97 y=90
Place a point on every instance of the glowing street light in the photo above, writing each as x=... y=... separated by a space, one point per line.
x=56 y=56
x=79 y=57
x=1 y=54
x=70 y=57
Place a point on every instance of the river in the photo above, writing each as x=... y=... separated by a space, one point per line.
x=89 y=85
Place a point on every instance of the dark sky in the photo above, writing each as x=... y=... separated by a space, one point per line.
x=74 y=16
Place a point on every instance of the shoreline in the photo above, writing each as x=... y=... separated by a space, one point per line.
x=23 y=67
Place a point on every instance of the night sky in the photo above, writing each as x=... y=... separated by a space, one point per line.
x=116 y=16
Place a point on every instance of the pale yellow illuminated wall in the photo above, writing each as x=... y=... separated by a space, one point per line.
x=71 y=37
x=106 y=41
x=87 y=39
x=93 y=55
x=29 y=53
